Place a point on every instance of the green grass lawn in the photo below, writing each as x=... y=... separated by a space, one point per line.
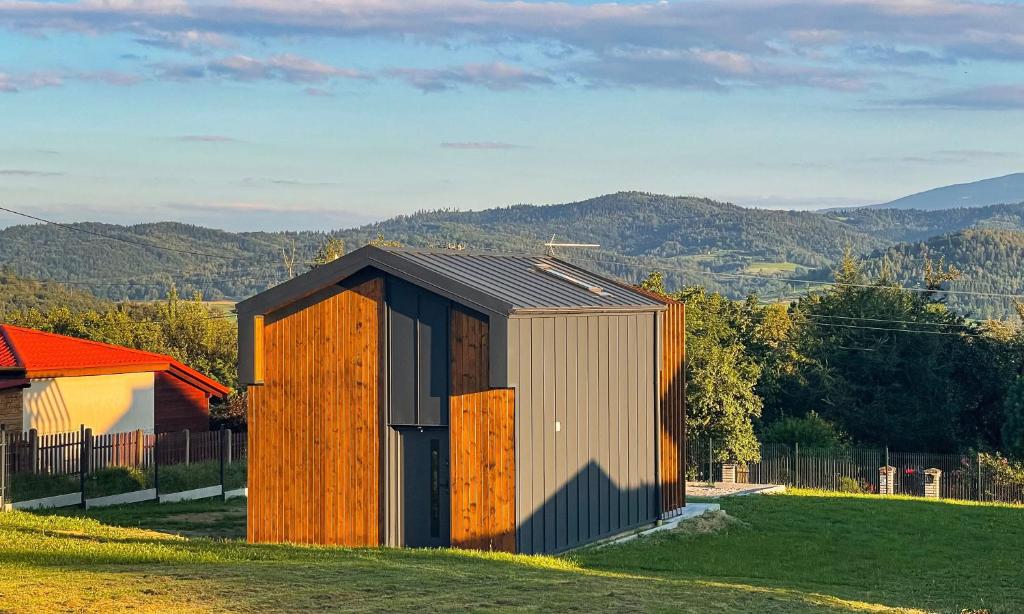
x=802 y=552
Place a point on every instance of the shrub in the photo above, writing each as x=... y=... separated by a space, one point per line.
x=28 y=486
x=811 y=431
x=852 y=485
x=116 y=480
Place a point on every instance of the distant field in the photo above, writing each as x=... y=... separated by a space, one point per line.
x=804 y=551
x=767 y=268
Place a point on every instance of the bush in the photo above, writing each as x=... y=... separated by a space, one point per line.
x=178 y=478
x=852 y=485
x=117 y=480
x=28 y=486
x=811 y=431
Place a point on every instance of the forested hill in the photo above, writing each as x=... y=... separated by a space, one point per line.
x=17 y=293
x=990 y=261
x=724 y=247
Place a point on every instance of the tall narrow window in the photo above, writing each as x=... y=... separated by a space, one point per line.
x=435 y=488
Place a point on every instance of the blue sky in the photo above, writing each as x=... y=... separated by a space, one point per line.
x=271 y=115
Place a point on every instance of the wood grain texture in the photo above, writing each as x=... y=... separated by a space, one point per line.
x=178 y=405
x=672 y=443
x=482 y=436
x=314 y=425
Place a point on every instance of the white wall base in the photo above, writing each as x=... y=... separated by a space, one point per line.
x=74 y=498
x=137 y=496
x=195 y=493
x=238 y=492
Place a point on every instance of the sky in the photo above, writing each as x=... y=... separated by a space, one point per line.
x=299 y=114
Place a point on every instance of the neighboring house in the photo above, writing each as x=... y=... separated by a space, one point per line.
x=429 y=398
x=55 y=384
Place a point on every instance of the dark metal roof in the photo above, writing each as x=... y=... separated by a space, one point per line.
x=497 y=283
x=528 y=283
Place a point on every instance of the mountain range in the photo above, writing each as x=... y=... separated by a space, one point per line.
x=724 y=247
x=994 y=191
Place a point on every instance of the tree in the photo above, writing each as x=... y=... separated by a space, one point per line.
x=1013 y=427
x=721 y=401
x=811 y=431
x=331 y=250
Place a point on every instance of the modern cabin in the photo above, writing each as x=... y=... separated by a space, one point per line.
x=408 y=397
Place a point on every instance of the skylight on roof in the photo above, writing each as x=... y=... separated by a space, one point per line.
x=576 y=281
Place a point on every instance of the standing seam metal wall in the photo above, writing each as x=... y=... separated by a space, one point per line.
x=585 y=426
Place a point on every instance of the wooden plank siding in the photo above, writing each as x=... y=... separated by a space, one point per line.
x=178 y=405
x=482 y=442
x=672 y=387
x=314 y=425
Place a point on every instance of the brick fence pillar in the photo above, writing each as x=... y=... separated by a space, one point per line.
x=729 y=473
x=887 y=480
x=932 y=483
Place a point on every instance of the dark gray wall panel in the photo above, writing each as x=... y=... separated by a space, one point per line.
x=584 y=424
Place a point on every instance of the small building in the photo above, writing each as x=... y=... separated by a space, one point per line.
x=407 y=397
x=55 y=384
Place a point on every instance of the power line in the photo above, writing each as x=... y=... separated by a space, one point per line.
x=820 y=315
x=122 y=239
x=657 y=267
x=898 y=330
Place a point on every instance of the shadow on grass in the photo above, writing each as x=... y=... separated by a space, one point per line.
x=237 y=575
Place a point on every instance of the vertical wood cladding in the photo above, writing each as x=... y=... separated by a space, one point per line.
x=482 y=436
x=314 y=425
x=585 y=426
x=672 y=387
x=178 y=405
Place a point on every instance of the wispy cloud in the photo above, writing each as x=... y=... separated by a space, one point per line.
x=986 y=98
x=286 y=182
x=14 y=83
x=479 y=145
x=497 y=76
x=317 y=92
x=284 y=67
x=192 y=41
x=21 y=172
x=838 y=45
x=207 y=138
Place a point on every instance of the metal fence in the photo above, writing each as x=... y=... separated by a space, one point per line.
x=37 y=466
x=964 y=476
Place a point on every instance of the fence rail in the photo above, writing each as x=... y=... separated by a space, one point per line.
x=35 y=466
x=963 y=476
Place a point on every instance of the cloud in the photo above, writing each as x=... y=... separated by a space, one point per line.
x=21 y=172
x=839 y=45
x=207 y=138
x=14 y=83
x=479 y=145
x=986 y=98
x=192 y=41
x=286 y=182
x=317 y=92
x=29 y=81
x=496 y=76
x=284 y=67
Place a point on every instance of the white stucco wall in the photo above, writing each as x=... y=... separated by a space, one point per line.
x=104 y=403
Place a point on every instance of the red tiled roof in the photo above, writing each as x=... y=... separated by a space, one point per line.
x=43 y=354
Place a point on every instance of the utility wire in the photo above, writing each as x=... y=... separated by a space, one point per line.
x=657 y=267
x=122 y=239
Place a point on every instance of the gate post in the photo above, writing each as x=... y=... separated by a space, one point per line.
x=886 y=480
x=85 y=449
x=729 y=473
x=932 y=483
x=3 y=466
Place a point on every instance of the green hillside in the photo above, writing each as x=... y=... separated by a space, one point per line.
x=990 y=261
x=17 y=293
x=724 y=247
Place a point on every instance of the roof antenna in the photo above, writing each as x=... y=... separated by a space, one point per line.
x=551 y=245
